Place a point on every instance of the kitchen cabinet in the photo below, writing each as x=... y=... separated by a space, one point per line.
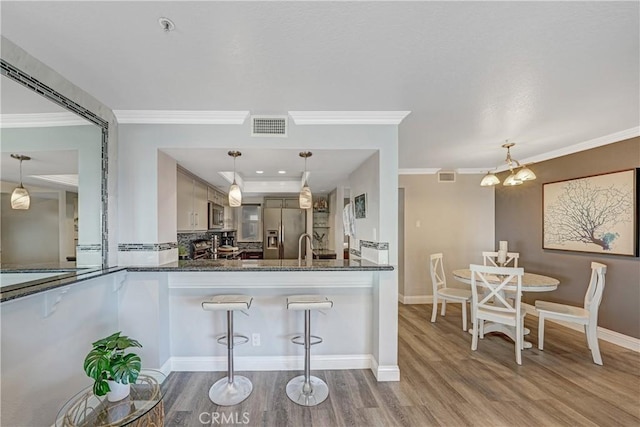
x=248 y=254
x=191 y=203
x=217 y=197
x=293 y=203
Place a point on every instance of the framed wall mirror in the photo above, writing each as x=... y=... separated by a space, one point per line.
x=66 y=177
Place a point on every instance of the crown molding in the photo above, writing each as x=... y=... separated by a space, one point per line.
x=571 y=149
x=181 y=117
x=418 y=171
x=348 y=117
x=586 y=145
x=39 y=120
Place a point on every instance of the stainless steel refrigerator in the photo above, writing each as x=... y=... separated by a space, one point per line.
x=282 y=229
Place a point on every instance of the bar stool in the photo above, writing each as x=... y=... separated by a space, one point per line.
x=231 y=389
x=307 y=390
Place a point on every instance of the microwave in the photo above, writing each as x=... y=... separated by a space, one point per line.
x=216 y=215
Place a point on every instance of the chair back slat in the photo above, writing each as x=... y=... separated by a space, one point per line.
x=594 y=292
x=491 y=258
x=436 y=269
x=494 y=281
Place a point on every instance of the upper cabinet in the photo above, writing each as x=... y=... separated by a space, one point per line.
x=218 y=197
x=192 y=203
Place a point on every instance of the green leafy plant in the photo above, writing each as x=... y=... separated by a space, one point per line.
x=107 y=361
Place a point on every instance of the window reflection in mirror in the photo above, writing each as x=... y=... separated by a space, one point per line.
x=63 y=178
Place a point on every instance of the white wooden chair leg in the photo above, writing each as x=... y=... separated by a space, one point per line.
x=464 y=315
x=482 y=329
x=587 y=336
x=474 y=340
x=519 y=344
x=540 y=331
x=434 y=312
x=595 y=348
x=444 y=307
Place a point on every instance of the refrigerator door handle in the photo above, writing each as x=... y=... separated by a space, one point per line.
x=281 y=245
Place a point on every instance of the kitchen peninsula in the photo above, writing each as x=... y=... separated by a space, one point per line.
x=161 y=307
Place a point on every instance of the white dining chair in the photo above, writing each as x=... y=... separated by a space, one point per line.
x=488 y=287
x=491 y=258
x=586 y=316
x=443 y=293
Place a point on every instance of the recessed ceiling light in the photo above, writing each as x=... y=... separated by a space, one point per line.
x=259 y=172
x=282 y=172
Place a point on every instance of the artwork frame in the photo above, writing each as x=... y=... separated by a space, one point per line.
x=360 y=206
x=593 y=214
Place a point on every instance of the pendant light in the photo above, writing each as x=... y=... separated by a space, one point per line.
x=514 y=178
x=235 y=195
x=305 y=194
x=20 y=198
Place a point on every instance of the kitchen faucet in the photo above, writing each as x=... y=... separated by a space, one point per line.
x=302 y=236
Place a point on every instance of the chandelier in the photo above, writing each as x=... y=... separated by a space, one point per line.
x=515 y=178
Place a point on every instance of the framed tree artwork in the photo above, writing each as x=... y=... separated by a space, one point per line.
x=596 y=214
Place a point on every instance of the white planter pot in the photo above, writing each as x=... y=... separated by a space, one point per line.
x=117 y=391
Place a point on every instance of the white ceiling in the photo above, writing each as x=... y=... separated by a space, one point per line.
x=546 y=75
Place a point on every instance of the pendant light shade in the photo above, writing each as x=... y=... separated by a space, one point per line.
x=306 y=198
x=235 y=195
x=20 y=198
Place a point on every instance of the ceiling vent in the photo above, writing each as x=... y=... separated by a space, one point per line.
x=268 y=125
x=446 y=176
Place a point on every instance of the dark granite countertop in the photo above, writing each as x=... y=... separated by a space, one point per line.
x=65 y=277
x=70 y=276
x=266 y=265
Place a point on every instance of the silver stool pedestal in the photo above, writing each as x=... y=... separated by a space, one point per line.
x=307 y=390
x=232 y=389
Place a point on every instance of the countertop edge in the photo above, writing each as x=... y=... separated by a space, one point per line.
x=44 y=285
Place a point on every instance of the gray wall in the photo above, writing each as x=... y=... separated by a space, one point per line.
x=519 y=220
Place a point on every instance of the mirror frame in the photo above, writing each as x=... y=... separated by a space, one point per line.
x=40 y=88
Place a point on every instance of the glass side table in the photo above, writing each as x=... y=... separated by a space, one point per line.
x=143 y=406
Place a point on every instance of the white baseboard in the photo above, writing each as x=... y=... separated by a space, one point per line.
x=166 y=368
x=270 y=363
x=613 y=337
x=385 y=373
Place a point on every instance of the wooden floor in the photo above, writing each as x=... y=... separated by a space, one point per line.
x=442 y=383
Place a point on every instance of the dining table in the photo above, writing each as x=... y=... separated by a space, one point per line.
x=531 y=282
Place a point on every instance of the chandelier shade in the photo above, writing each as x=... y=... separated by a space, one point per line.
x=514 y=178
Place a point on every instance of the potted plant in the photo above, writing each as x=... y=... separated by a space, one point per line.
x=112 y=370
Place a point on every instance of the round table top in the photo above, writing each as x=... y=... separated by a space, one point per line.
x=87 y=409
x=531 y=282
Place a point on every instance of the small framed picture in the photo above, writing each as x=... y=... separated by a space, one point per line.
x=360 y=205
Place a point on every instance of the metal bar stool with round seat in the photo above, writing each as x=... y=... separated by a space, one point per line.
x=307 y=390
x=231 y=389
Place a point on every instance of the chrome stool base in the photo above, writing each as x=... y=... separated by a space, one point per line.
x=307 y=394
x=224 y=393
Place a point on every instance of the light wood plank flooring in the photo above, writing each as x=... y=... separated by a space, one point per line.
x=443 y=383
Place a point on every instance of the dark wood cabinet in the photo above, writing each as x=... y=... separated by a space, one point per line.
x=251 y=255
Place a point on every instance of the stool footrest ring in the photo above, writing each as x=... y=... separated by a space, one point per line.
x=299 y=339
x=238 y=339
